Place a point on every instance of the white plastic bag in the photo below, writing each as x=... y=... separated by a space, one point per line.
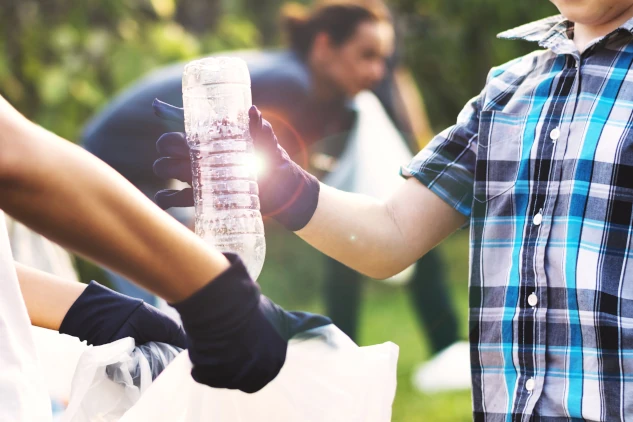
x=58 y=356
x=326 y=378
x=110 y=379
x=371 y=161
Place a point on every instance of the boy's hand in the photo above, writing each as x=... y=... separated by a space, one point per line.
x=286 y=191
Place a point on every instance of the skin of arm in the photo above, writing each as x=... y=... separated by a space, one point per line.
x=380 y=238
x=48 y=298
x=70 y=196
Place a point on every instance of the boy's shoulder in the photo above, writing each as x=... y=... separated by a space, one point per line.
x=545 y=32
x=520 y=67
x=521 y=71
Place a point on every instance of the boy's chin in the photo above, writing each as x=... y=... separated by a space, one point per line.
x=592 y=12
x=575 y=10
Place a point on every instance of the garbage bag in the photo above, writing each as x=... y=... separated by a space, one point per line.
x=58 y=355
x=110 y=379
x=371 y=161
x=326 y=378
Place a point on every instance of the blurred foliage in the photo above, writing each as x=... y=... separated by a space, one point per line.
x=61 y=60
x=450 y=45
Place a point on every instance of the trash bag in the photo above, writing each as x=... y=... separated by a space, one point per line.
x=371 y=161
x=110 y=379
x=326 y=378
x=58 y=355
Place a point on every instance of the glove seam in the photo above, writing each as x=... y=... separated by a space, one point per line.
x=125 y=322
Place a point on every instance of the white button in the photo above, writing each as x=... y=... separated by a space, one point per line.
x=529 y=384
x=555 y=134
x=538 y=219
x=532 y=299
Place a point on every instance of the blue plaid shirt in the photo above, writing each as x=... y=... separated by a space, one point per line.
x=542 y=164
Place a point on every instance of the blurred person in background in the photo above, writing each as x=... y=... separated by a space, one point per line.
x=336 y=50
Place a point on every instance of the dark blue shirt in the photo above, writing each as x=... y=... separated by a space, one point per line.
x=125 y=132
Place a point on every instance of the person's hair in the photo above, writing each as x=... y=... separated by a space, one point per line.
x=338 y=19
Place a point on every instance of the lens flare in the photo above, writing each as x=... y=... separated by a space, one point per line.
x=258 y=164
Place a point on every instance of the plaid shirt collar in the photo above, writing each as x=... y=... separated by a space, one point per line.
x=554 y=33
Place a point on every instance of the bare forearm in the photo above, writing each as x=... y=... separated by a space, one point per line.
x=48 y=298
x=380 y=238
x=354 y=229
x=73 y=198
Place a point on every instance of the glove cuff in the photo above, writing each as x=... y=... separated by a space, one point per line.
x=97 y=314
x=293 y=197
x=231 y=343
x=223 y=303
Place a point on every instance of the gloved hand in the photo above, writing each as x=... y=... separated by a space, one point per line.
x=286 y=191
x=100 y=316
x=237 y=337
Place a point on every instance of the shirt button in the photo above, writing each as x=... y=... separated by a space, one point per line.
x=529 y=384
x=533 y=299
x=555 y=134
x=538 y=219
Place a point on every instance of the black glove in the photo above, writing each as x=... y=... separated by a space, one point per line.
x=100 y=316
x=237 y=337
x=286 y=191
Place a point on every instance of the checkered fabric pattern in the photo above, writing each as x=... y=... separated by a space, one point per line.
x=542 y=164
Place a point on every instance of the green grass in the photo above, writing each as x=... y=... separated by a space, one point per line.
x=386 y=316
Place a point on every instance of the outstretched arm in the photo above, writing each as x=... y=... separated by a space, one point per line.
x=76 y=200
x=377 y=238
x=380 y=238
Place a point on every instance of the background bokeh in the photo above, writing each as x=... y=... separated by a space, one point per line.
x=61 y=60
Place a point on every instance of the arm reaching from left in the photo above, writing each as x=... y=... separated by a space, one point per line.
x=93 y=313
x=76 y=200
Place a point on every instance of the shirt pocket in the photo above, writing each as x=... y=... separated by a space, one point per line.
x=498 y=154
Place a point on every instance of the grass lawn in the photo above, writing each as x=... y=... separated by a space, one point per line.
x=386 y=316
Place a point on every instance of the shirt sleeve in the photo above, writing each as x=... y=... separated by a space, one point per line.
x=447 y=164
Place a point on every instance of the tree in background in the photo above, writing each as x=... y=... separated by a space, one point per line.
x=450 y=45
x=60 y=59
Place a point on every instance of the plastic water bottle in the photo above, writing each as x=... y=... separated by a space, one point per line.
x=217 y=97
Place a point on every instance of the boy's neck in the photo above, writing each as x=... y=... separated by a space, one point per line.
x=585 y=34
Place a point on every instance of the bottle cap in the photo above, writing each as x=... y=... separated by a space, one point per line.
x=215 y=70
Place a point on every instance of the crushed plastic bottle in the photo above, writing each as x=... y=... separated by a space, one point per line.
x=217 y=97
